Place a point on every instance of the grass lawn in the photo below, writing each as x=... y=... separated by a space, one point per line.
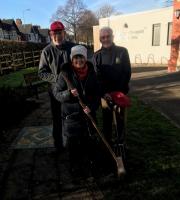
x=15 y=79
x=153 y=158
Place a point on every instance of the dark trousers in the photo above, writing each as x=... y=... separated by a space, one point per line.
x=107 y=126
x=77 y=149
x=80 y=146
x=57 y=121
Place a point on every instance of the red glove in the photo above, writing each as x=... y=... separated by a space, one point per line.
x=120 y=99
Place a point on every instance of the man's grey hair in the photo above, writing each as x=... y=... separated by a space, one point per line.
x=107 y=29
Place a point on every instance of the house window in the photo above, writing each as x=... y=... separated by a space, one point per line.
x=6 y=35
x=32 y=37
x=169 y=33
x=13 y=35
x=10 y=35
x=1 y=34
x=156 y=35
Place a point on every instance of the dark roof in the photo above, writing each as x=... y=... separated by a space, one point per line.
x=9 y=25
x=8 y=21
x=36 y=29
x=44 y=32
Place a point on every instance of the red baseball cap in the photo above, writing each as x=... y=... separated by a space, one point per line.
x=57 y=25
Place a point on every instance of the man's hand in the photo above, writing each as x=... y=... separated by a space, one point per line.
x=107 y=97
x=87 y=110
x=117 y=108
x=104 y=103
x=74 y=92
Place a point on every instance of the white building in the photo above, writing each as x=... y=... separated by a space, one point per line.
x=146 y=35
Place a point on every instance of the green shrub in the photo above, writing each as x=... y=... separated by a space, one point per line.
x=15 y=79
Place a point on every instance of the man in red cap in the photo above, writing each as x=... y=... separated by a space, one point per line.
x=53 y=56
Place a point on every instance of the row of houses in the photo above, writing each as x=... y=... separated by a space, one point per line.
x=15 y=30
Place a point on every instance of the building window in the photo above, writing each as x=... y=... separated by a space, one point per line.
x=1 y=34
x=156 y=35
x=14 y=35
x=10 y=35
x=169 y=33
x=6 y=35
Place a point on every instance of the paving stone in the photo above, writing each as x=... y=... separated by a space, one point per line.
x=44 y=169
x=45 y=190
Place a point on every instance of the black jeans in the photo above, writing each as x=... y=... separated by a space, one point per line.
x=57 y=121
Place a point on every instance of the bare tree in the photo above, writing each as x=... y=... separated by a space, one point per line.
x=85 y=27
x=168 y=3
x=165 y=3
x=105 y=11
x=70 y=15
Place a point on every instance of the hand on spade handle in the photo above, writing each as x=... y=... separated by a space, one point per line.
x=105 y=101
x=74 y=92
x=87 y=110
x=107 y=97
x=117 y=108
x=110 y=103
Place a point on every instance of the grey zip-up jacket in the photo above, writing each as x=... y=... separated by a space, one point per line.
x=52 y=58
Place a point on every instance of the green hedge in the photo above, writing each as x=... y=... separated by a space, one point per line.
x=14 y=46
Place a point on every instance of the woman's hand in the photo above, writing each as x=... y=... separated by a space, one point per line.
x=87 y=110
x=74 y=92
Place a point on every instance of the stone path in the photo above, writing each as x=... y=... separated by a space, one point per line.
x=40 y=173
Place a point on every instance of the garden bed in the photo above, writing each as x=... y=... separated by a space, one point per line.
x=13 y=98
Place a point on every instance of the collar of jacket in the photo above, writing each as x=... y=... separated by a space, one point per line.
x=108 y=49
x=66 y=67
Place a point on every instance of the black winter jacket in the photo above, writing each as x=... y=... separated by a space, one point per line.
x=113 y=69
x=88 y=90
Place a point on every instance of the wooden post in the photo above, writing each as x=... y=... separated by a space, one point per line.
x=33 y=58
x=24 y=57
x=1 y=67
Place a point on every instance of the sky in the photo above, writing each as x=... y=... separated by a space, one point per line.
x=39 y=12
